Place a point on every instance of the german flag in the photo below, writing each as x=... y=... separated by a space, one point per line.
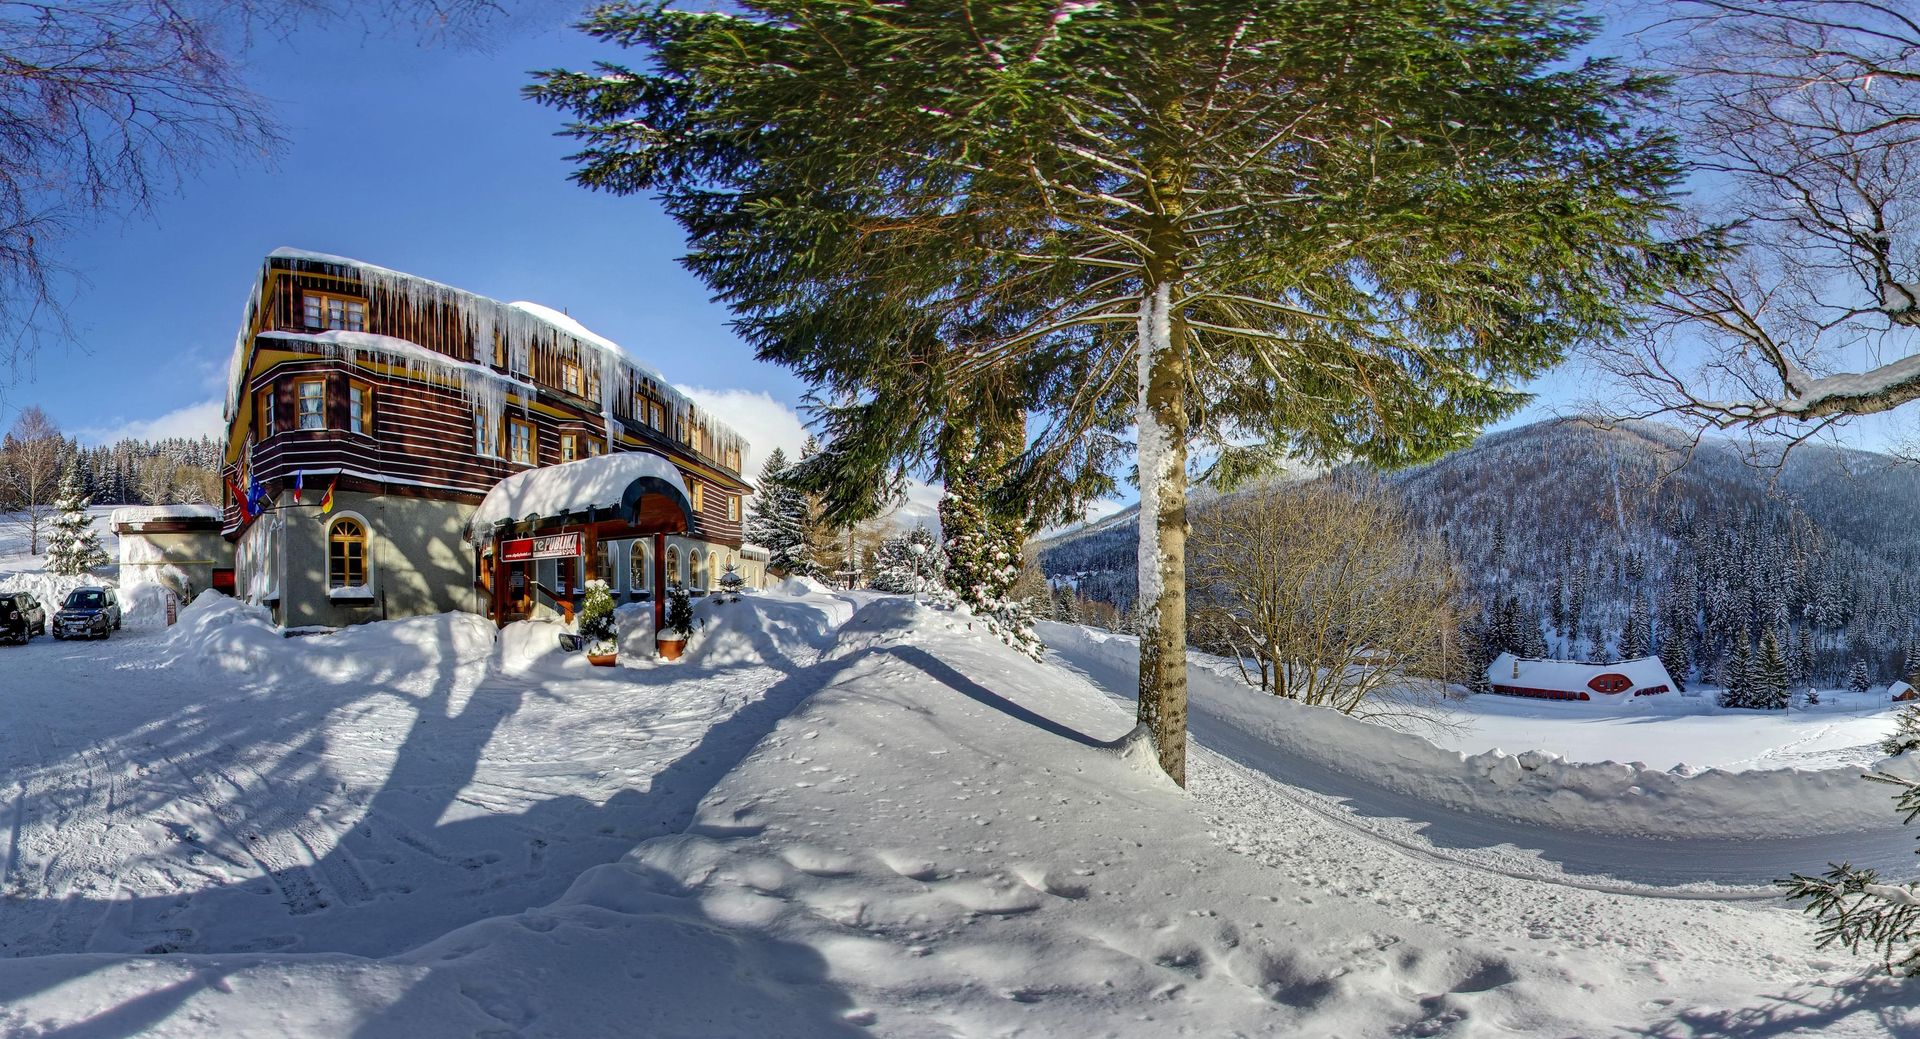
x=326 y=500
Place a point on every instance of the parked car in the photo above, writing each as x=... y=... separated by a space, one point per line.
x=88 y=613
x=21 y=617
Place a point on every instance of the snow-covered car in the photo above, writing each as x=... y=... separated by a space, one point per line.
x=88 y=613
x=21 y=617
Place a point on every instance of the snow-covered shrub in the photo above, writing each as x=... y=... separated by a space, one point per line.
x=596 y=618
x=1906 y=732
x=909 y=563
x=679 y=619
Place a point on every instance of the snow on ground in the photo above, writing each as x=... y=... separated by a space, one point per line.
x=1533 y=787
x=1845 y=728
x=825 y=823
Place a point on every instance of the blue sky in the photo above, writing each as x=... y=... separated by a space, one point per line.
x=424 y=159
x=421 y=158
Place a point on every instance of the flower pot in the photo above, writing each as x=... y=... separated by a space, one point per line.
x=670 y=649
x=603 y=659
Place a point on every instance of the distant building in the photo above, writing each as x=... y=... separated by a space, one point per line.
x=1577 y=680
x=1902 y=692
x=177 y=546
x=415 y=402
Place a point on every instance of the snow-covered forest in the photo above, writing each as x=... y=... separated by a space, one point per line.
x=1590 y=532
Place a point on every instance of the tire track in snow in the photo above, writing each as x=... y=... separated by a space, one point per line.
x=299 y=890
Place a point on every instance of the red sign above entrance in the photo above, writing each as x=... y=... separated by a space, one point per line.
x=552 y=546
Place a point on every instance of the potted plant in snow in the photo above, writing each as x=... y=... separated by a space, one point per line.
x=671 y=640
x=597 y=627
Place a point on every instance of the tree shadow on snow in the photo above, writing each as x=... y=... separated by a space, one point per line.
x=1859 y=1004
x=944 y=673
x=420 y=861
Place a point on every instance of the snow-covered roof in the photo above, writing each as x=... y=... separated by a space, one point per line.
x=1574 y=676
x=516 y=324
x=128 y=515
x=597 y=482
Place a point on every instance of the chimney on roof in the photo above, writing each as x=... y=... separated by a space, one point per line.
x=1516 y=667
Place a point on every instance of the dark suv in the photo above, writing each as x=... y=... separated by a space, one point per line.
x=21 y=617
x=88 y=613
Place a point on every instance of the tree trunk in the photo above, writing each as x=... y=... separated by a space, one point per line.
x=1162 y=418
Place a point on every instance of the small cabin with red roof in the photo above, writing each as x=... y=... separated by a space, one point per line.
x=1540 y=679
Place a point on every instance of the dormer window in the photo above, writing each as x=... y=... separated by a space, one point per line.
x=324 y=310
x=570 y=379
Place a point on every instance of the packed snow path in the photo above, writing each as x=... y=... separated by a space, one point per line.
x=1699 y=866
x=396 y=786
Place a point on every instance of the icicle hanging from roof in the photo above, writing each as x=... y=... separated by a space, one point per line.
x=519 y=326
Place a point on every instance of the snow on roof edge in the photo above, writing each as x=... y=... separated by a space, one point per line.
x=595 y=482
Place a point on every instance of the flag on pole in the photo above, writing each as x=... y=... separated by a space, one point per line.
x=256 y=495
x=240 y=500
x=299 y=483
x=326 y=500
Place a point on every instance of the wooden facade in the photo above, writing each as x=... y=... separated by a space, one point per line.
x=418 y=434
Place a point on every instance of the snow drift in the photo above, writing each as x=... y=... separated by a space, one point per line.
x=220 y=633
x=1531 y=786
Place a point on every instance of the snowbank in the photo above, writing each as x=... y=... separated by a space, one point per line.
x=220 y=633
x=761 y=630
x=50 y=589
x=924 y=834
x=1532 y=786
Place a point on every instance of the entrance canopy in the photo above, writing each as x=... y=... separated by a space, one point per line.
x=638 y=487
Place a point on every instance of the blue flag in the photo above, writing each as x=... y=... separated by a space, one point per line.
x=299 y=481
x=256 y=495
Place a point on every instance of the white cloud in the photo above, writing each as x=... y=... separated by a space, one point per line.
x=765 y=422
x=194 y=420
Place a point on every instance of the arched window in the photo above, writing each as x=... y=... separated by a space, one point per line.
x=603 y=564
x=346 y=553
x=637 y=569
x=697 y=563
x=673 y=564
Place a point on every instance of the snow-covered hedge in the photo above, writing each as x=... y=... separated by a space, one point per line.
x=1532 y=786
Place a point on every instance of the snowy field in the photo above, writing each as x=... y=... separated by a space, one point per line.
x=1665 y=731
x=842 y=815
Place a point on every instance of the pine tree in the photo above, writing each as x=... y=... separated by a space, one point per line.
x=1769 y=683
x=679 y=619
x=1857 y=678
x=1736 y=674
x=779 y=521
x=764 y=513
x=1674 y=654
x=1636 y=639
x=909 y=563
x=982 y=565
x=74 y=546
x=1248 y=187
x=1800 y=659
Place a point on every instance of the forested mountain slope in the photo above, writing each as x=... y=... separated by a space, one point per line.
x=1608 y=540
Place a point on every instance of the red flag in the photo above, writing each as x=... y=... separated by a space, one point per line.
x=240 y=500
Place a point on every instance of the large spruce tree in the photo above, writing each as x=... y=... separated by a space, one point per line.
x=1340 y=229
